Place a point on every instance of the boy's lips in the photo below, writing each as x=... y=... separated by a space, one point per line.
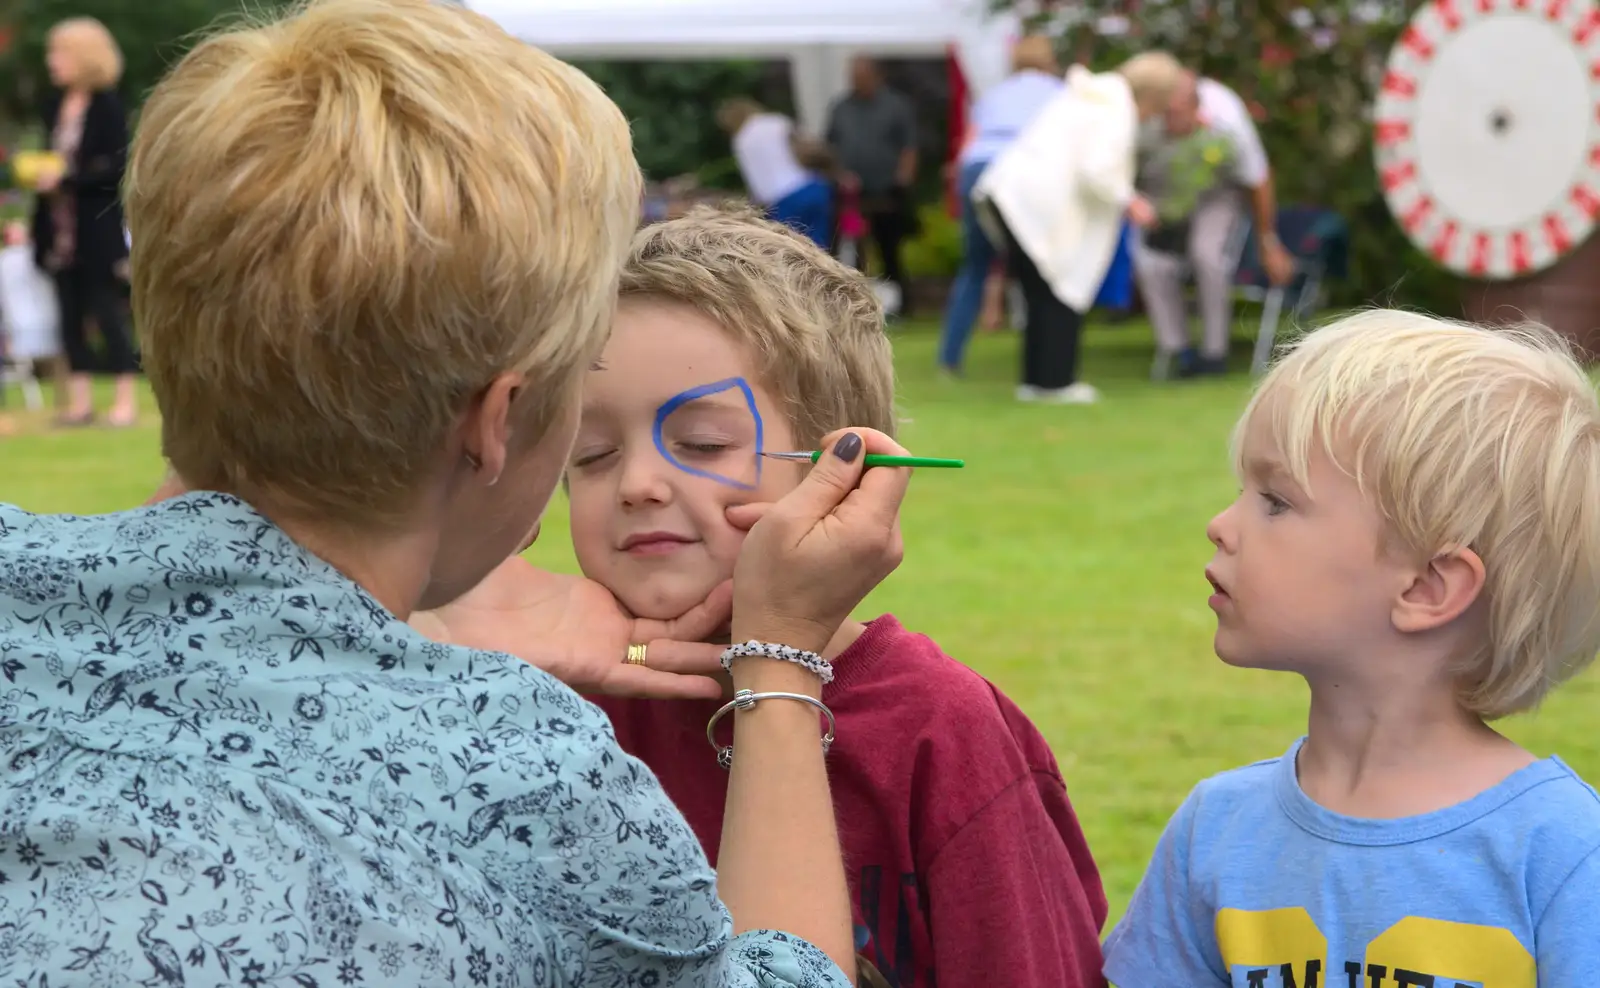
x=655 y=543
x=1219 y=593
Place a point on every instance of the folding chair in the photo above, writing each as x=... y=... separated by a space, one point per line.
x=1318 y=241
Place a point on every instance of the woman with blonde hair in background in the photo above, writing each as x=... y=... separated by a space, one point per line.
x=1057 y=195
x=78 y=234
x=996 y=119
x=379 y=244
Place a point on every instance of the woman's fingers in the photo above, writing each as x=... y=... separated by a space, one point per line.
x=430 y=625
x=840 y=472
x=643 y=682
x=875 y=503
x=828 y=482
x=745 y=516
x=682 y=658
x=704 y=619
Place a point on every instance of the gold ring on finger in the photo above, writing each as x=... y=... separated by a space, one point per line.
x=635 y=655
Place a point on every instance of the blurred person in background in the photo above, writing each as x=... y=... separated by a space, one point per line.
x=78 y=231
x=996 y=120
x=1195 y=234
x=769 y=155
x=1057 y=196
x=872 y=133
x=30 y=317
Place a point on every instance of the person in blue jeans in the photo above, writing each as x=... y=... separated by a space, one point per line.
x=996 y=119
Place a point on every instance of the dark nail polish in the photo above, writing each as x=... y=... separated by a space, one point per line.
x=848 y=447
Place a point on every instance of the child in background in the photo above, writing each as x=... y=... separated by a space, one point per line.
x=1418 y=535
x=966 y=862
x=30 y=317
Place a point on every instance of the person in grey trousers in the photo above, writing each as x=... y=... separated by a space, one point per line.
x=1201 y=241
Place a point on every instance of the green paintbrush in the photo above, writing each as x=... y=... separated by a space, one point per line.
x=879 y=460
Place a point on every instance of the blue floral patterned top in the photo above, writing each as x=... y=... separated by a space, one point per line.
x=223 y=763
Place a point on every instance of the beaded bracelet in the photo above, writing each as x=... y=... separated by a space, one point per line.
x=744 y=700
x=810 y=661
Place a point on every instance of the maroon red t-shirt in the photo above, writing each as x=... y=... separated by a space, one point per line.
x=966 y=863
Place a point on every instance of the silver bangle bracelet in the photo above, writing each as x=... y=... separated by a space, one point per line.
x=744 y=700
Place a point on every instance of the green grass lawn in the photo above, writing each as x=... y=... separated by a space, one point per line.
x=1064 y=563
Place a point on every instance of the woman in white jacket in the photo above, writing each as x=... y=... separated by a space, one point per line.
x=1057 y=195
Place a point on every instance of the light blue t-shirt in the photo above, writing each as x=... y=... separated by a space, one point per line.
x=1253 y=885
x=1004 y=111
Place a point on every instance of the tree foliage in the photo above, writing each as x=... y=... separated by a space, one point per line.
x=1311 y=75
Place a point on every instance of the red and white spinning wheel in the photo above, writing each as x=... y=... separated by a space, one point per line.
x=1487 y=132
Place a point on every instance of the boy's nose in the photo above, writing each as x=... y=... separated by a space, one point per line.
x=1218 y=530
x=643 y=482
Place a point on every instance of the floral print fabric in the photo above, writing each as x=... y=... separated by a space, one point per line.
x=223 y=763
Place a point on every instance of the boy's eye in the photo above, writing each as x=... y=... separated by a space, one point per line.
x=705 y=448
x=1275 y=504
x=589 y=457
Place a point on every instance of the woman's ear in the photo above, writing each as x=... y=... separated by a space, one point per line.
x=1441 y=591
x=486 y=433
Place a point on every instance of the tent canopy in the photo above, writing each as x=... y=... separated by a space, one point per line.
x=818 y=37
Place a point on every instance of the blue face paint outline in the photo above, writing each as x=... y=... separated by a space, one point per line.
x=682 y=398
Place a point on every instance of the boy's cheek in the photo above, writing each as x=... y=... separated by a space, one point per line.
x=588 y=533
x=723 y=541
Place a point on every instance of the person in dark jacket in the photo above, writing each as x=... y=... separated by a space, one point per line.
x=78 y=231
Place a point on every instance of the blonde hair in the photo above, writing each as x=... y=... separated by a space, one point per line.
x=96 y=58
x=812 y=325
x=1153 y=76
x=346 y=223
x=1036 y=52
x=1463 y=436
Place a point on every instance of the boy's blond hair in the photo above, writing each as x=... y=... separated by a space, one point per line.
x=346 y=223
x=96 y=58
x=813 y=326
x=1463 y=436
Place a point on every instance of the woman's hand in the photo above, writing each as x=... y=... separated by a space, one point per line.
x=1141 y=213
x=575 y=630
x=811 y=557
x=47 y=182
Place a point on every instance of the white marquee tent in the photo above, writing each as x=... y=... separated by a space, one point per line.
x=818 y=37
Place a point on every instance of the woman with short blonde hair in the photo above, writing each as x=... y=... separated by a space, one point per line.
x=78 y=233
x=1057 y=196
x=377 y=249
